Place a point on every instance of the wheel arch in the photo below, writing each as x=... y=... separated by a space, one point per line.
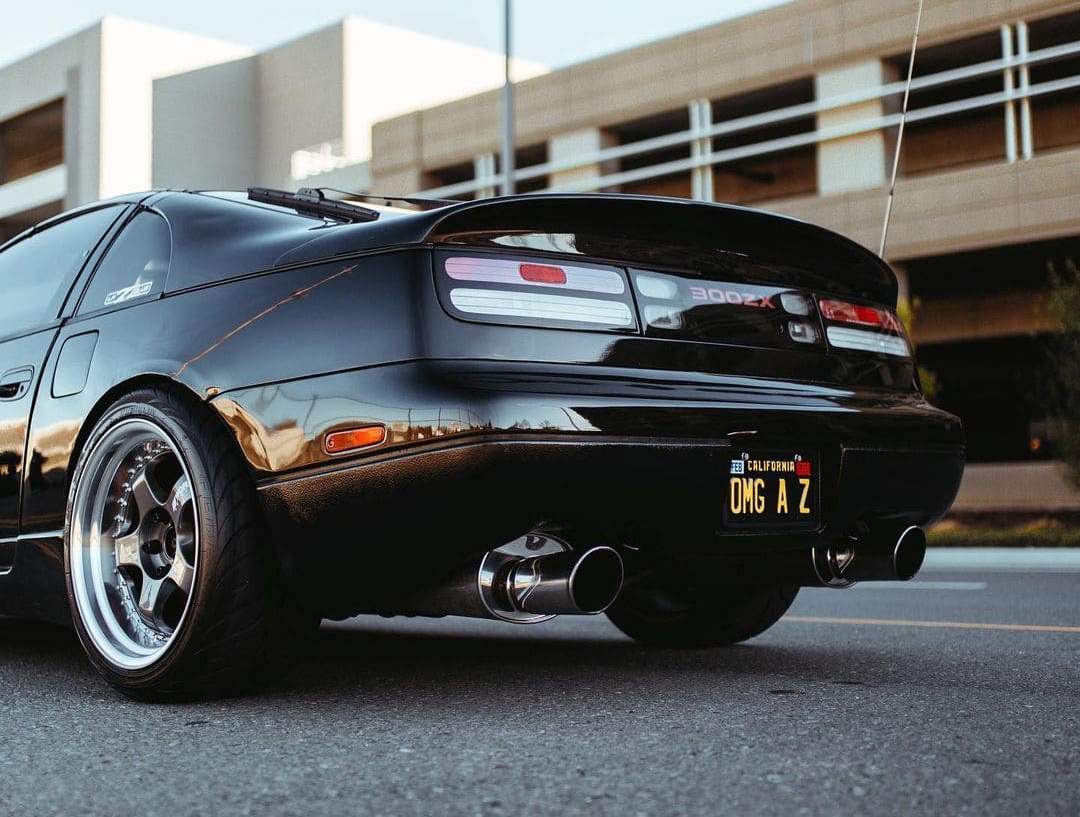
x=119 y=390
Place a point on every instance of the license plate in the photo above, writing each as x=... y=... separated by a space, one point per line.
x=771 y=490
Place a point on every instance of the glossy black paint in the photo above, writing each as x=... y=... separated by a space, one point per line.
x=73 y=364
x=290 y=328
x=21 y=368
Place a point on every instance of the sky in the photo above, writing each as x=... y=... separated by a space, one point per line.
x=552 y=32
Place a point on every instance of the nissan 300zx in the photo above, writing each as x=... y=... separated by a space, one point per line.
x=225 y=417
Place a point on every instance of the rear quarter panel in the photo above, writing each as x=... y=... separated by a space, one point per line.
x=265 y=328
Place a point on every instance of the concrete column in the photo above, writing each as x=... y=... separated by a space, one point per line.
x=484 y=168
x=75 y=194
x=701 y=178
x=404 y=182
x=566 y=146
x=902 y=281
x=861 y=161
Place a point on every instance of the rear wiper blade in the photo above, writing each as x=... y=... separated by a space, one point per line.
x=314 y=202
x=416 y=201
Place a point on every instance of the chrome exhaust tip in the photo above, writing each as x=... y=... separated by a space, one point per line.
x=529 y=580
x=883 y=555
x=566 y=583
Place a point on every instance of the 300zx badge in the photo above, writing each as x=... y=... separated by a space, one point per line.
x=731 y=296
x=136 y=290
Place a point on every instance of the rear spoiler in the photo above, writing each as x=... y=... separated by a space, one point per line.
x=645 y=231
x=677 y=234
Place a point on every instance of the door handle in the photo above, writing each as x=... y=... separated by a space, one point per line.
x=15 y=383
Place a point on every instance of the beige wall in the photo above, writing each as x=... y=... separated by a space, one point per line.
x=105 y=75
x=1026 y=486
x=70 y=68
x=791 y=41
x=860 y=161
x=957 y=210
x=300 y=99
x=983 y=316
x=390 y=71
x=569 y=145
x=189 y=152
x=332 y=84
x=133 y=56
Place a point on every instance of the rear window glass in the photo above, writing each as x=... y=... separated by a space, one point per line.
x=135 y=266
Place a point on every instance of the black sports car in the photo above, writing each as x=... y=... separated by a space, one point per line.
x=226 y=416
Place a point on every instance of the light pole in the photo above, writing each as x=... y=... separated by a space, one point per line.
x=508 y=108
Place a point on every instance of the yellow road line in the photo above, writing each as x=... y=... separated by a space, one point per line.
x=952 y=625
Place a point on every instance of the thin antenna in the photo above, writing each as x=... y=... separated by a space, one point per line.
x=900 y=134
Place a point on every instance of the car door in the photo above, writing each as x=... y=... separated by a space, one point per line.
x=36 y=272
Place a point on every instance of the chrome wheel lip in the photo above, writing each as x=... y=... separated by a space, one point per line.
x=91 y=545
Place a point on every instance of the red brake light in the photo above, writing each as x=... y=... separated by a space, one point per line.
x=858 y=315
x=542 y=274
x=864 y=328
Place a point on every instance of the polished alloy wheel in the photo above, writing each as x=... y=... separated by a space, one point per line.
x=133 y=543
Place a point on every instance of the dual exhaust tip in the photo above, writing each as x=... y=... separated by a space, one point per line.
x=538 y=577
x=885 y=554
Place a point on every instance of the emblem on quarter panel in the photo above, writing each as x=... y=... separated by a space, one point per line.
x=136 y=290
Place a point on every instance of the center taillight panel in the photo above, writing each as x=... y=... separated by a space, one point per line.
x=517 y=290
x=750 y=314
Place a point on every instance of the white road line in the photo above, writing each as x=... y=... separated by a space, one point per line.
x=1024 y=560
x=918 y=584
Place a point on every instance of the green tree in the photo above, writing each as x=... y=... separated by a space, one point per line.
x=905 y=310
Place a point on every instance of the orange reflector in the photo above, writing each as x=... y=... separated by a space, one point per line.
x=338 y=442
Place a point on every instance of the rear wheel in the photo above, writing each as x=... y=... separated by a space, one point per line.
x=173 y=590
x=661 y=613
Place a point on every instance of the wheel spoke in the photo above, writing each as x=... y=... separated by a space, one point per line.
x=146 y=496
x=179 y=496
x=127 y=551
x=181 y=574
x=150 y=597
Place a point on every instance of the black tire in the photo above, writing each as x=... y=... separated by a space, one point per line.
x=658 y=614
x=239 y=620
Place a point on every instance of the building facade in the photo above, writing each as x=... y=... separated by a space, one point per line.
x=795 y=109
x=123 y=106
x=75 y=118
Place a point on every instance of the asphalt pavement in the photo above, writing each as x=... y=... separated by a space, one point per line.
x=958 y=693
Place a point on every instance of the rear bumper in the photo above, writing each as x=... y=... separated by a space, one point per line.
x=479 y=453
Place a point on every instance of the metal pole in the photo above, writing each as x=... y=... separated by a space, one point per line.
x=1026 y=141
x=1007 y=52
x=900 y=132
x=508 y=107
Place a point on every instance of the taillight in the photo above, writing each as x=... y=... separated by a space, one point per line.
x=863 y=328
x=495 y=289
